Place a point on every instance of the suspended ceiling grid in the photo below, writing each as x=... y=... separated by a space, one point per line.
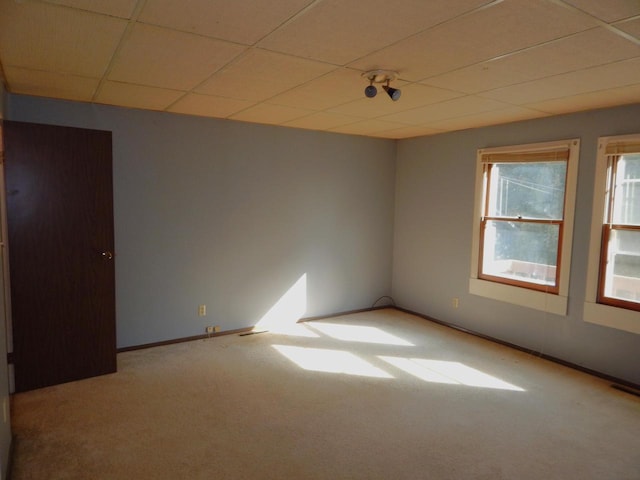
x=298 y=63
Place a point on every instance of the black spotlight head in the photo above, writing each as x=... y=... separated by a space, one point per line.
x=394 y=93
x=370 y=91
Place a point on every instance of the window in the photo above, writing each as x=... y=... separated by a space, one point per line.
x=523 y=223
x=613 y=280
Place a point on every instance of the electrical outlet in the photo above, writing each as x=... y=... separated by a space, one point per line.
x=216 y=329
x=210 y=329
x=455 y=302
x=202 y=310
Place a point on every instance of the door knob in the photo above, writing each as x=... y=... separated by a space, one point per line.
x=108 y=255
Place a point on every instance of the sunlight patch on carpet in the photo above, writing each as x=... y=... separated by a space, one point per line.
x=359 y=333
x=330 y=361
x=454 y=373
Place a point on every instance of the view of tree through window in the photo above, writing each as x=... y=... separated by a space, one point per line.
x=528 y=191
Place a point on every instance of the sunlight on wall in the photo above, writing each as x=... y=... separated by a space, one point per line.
x=283 y=315
x=330 y=361
x=456 y=373
x=358 y=333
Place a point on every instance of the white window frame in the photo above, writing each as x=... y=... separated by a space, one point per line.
x=535 y=299
x=601 y=314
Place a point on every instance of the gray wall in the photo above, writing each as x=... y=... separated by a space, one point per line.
x=231 y=215
x=432 y=244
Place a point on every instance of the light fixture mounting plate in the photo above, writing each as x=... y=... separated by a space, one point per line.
x=380 y=76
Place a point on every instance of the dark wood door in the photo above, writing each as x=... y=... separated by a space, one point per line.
x=60 y=232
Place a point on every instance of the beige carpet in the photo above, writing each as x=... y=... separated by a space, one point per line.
x=379 y=395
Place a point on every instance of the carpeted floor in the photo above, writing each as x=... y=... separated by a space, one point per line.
x=377 y=395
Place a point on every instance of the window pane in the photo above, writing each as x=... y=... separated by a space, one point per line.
x=527 y=190
x=522 y=251
x=626 y=208
x=622 y=279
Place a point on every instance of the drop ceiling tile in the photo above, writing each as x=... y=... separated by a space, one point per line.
x=49 y=84
x=632 y=27
x=272 y=114
x=457 y=107
x=208 y=106
x=170 y=59
x=336 y=87
x=593 y=47
x=408 y=132
x=115 y=8
x=609 y=10
x=48 y=37
x=339 y=31
x=587 y=101
x=413 y=95
x=613 y=75
x=495 y=117
x=243 y=21
x=322 y=121
x=487 y=33
x=261 y=74
x=136 y=96
x=367 y=127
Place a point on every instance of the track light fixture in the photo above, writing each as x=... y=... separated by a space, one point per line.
x=371 y=91
x=394 y=93
x=381 y=76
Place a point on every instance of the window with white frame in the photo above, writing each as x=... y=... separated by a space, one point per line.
x=523 y=223
x=613 y=280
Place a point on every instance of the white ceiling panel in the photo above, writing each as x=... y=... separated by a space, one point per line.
x=49 y=37
x=613 y=75
x=115 y=8
x=487 y=33
x=366 y=126
x=136 y=96
x=335 y=88
x=209 y=106
x=608 y=10
x=272 y=114
x=261 y=74
x=458 y=107
x=408 y=132
x=493 y=117
x=242 y=21
x=340 y=31
x=586 y=49
x=51 y=84
x=586 y=101
x=165 y=58
x=322 y=121
x=299 y=63
x=632 y=27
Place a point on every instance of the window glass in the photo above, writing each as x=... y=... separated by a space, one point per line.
x=622 y=279
x=521 y=251
x=627 y=191
x=528 y=190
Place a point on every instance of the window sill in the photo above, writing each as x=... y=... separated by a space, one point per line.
x=613 y=317
x=546 y=302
